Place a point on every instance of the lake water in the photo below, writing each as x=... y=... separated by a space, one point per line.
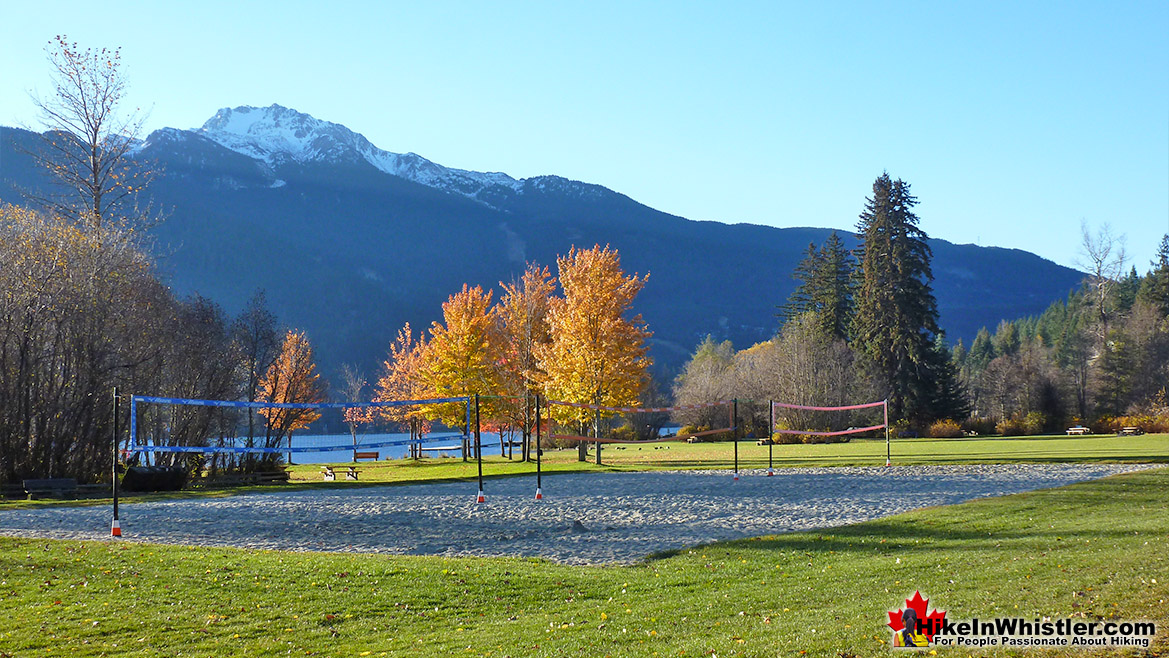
x=434 y=445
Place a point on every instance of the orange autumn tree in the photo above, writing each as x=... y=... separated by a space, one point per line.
x=522 y=314
x=596 y=355
x=291 y=378
x=402 y=380
x=461 y=355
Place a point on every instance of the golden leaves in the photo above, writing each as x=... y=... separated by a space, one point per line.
x=596 y=355
x=402 y=379
x=292 y=378
x=460 y=358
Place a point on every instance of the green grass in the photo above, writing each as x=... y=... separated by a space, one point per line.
x=868 y=452
x=1091 y=549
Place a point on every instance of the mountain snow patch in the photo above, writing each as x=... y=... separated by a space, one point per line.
x=276 y=135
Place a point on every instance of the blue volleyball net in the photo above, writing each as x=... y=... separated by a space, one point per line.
x=165 y=425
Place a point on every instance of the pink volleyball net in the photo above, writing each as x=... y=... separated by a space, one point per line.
x=823 y=421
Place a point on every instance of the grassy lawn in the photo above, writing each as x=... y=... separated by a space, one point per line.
x=867 y=452
x=1094 y=550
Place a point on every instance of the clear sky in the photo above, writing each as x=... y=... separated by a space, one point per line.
x=1013 y=122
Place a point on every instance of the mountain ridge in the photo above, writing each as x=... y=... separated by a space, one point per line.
x=350 y=252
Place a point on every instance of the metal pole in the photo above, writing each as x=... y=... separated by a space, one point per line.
x=597 y=432
x=115 y=527
x=464 y=441
x=133 y=441
x=539 y=494
x=478 y=450
x=888 y=447
x=526 y=432
x=770 y=436
x=735 y=432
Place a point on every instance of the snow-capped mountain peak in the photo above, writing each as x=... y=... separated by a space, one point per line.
x=277 y=135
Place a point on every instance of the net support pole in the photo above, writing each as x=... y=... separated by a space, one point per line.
x=526 y=434
x=597 y=432
x=479 y=451
x=770 y=437
x=133 y=440
x=464 y=442
x=115 y=525
x=888 y=445
x=539 y=494
x=735 y=432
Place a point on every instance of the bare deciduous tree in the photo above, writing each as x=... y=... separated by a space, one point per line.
x=353 y=384
x=1103 y=257
x=87 y=139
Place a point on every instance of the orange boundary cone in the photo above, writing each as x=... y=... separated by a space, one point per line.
x=770 y=472
x=482 y=498
x=736 y=476
x=539 y=496
x=888 y=463
x=115 y=529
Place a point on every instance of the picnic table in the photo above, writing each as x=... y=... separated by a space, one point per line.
x=331 y=476
x=1078 y=429
x=1130 y=431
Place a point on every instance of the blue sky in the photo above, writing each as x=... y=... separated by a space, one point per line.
x=1013 y=122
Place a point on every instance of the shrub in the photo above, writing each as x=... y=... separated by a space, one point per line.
x=982 y=426
x=1010 y=427
x=624 y=433
x=786 y=439
x=946 y=429
x=1033 y=423
x=1104 y=425
x=816 y=438
x=795 y=439
x=1149 y=423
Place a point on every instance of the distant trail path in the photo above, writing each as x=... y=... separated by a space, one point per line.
x=622 y=516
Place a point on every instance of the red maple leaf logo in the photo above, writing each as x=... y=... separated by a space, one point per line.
x=930 y=623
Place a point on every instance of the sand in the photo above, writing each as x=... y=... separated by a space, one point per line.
x=600 y=518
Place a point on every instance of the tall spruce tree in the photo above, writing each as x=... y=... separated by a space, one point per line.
x=800 y=301
x=896 y=313
x=951 y=399
x=1155 y=287
x=826 y=288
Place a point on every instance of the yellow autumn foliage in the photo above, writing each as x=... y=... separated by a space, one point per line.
x=596 y=354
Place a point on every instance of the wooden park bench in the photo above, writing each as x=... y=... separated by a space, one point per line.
x=1130 y=431
x=331 y=476
x=366 y=455
x=55 y=487
x=12 y=491
x=229 y=480
x=272 y=477
x=1078 y=429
